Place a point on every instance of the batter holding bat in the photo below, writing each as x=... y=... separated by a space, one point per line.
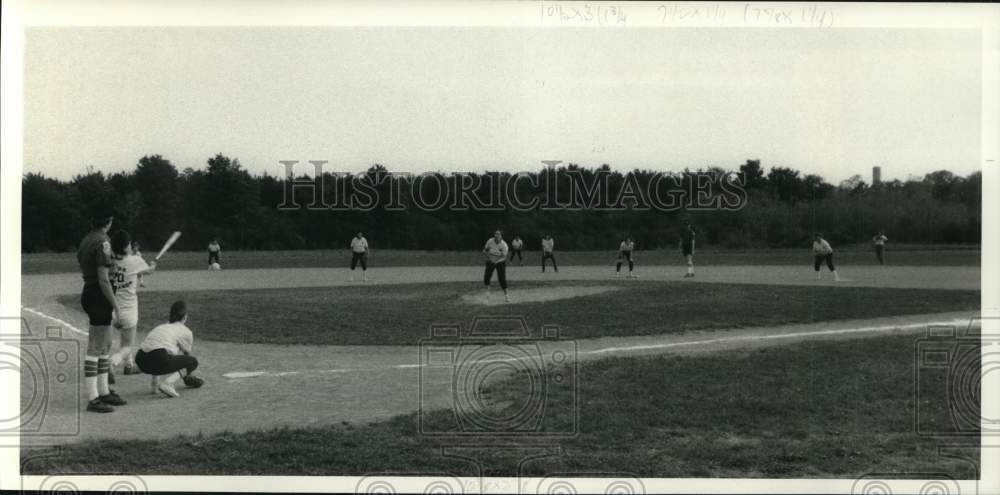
x=125 y=273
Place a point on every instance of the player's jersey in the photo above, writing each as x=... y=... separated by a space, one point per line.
x=94 y=252
x=880 y=240
x=548 y=245
x=359 y=245
x=517 y=244
x=627 y=246
x=496 y=251
x=174 y=337
x=214 y=247
x=688 y=237
x=822 y=247
x=125 y=278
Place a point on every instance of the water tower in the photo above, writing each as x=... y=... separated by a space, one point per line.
x=876 y=176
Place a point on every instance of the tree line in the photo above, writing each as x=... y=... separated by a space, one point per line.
x=781 y=208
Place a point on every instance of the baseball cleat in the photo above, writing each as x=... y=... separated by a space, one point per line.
x=193 y=381
x=99 y=406
x=167 y=390
x=112 y=399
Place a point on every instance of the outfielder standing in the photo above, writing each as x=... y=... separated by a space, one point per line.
x=879 y=241
x=359 y=253
x=687 y=248
x=496 y=259
x=548 y=252
x=625 y=253
x=823 y=252
x=98 y=301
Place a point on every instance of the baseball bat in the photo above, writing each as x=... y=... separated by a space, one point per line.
x=166 y=245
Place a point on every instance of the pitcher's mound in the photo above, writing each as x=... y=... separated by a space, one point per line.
x=541 y=294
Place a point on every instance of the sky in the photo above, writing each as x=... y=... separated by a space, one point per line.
x=833 y=102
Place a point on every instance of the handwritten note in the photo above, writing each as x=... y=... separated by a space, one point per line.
x=599 y=14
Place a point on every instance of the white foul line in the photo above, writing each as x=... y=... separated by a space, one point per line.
x=610 y=350
x=57 y=320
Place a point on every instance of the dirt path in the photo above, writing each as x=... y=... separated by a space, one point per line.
x=254 y=386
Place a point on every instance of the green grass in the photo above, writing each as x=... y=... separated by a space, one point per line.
x=819 y=409
x=847 y=255
x=403 y=314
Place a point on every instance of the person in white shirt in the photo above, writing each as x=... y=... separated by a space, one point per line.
x=879 y=241
x=124 y=279
x=625 y=253
x=496 y=259
x=166 y=353
x=548 y=252
x=823 y=252
x=359 y=253
x=516 y=245
x=214 y=250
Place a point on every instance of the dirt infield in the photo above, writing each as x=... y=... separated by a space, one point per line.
x=547 y=294
x=253 y=386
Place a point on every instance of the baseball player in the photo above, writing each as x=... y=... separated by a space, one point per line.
x=98 y=300
x=359 y=253
x=687 y=248
x=625 y=253
x=548 y=252
x=214 y=251
x=165 y=353
x=496 y=259
x=879 y=241
x=516 y=245
x=125 y=279
x=823 y=252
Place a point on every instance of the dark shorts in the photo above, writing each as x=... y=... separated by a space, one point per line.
x=160 y=362
x=97 y=307
x=688 y=250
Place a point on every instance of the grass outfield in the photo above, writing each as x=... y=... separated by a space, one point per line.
x=819 y=409
x=403 y=314
x=185 y=260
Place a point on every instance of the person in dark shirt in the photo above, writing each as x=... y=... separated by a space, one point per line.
x=98 y=301
x=687 y=248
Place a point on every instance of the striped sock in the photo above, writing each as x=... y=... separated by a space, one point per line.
x=90 y=376
x=103 y=366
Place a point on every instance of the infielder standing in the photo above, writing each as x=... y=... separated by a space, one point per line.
x=214 y=250
x=496 y=259
x=548 y=252
x=516 y=245
x=625 y=253
x=125 y=279
x=879 y=241
x=823 y=252
x=98 y=301
x=687 y=248
x=359 y=253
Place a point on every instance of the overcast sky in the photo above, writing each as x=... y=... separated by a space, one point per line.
x=830 y=102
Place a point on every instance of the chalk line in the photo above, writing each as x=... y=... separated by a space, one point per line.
x=624 y=349
x=57 y=320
